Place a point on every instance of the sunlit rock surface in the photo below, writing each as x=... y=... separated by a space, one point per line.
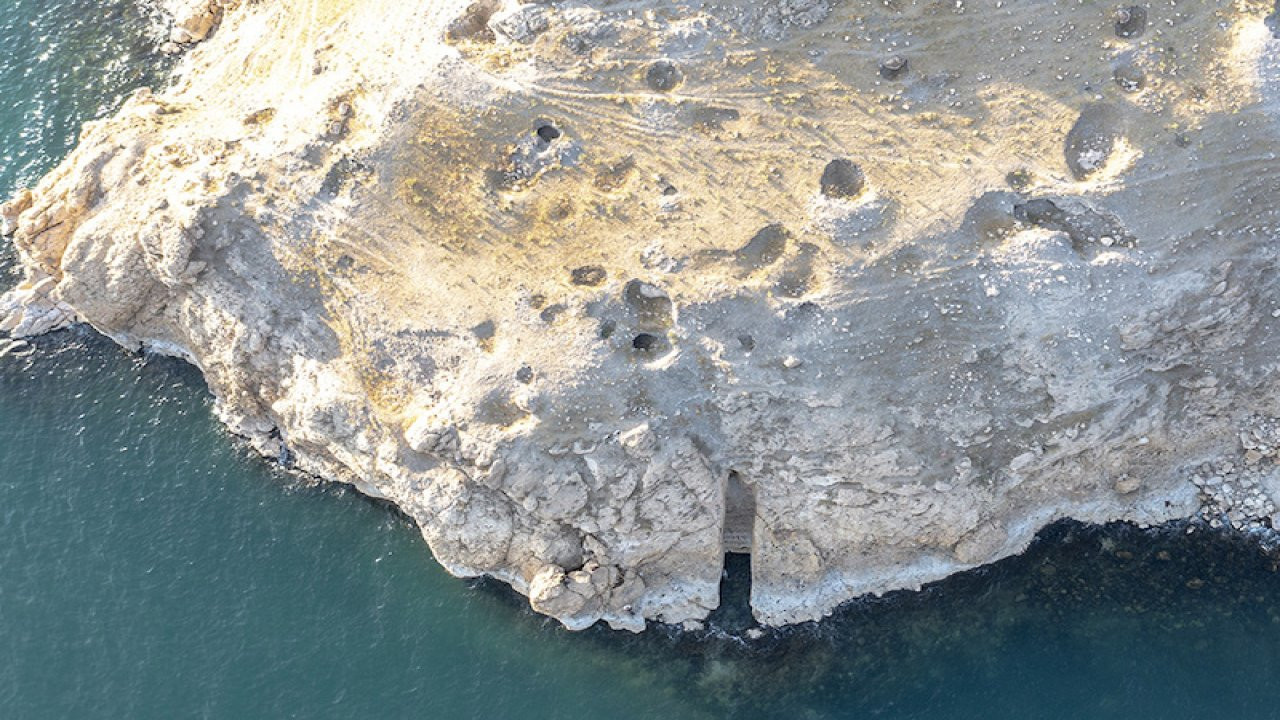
x=596 y=290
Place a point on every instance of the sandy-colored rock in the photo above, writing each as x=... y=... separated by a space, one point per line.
x=192 y=20
x=922 y=277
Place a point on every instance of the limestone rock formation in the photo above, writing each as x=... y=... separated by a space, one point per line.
x=594 y=290
x=193 y=20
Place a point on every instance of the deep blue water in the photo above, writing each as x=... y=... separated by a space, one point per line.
x=150 y=567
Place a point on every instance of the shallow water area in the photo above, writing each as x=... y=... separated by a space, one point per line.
x=151 y=567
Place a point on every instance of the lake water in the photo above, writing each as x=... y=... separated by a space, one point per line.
x=150 y=567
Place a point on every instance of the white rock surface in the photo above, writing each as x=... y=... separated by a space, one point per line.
x=192 y=20
x=546 y=275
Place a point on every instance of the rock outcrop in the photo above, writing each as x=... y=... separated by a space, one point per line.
x=889 y=285
x=193 y=20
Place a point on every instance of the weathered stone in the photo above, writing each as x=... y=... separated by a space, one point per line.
x=1048 y=302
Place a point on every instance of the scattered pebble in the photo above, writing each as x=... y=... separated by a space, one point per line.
x=893 y=66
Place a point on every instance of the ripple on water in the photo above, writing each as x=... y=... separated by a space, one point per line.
x=63 y=62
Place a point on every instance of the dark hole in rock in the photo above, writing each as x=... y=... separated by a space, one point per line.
x=805 y=312
x=765 y=247
x=524 y=374
x=990 y=216
x=1018 y=179
x=547 y=132
x=339 y=175
x=842 y=178
x=739 y=514
x=1090 y=141
x=646 y=342
x=892 y=67
x=589 y=275
x=552 y=312
x=663 y=76
x=669 y=190
x=734 y=617
x=711 y=117
x=1082 y=225
x=345 y=262
x=536 y=301
x=1130 y=79
x=607 y=328
x=1130 y=22
x=1040 y=211
x=747 y=342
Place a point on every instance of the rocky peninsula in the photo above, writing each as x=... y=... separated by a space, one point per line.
x=596 y=291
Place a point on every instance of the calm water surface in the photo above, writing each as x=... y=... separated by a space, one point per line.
x=151 y=568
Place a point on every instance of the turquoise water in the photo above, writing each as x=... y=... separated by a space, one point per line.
x=150 y=567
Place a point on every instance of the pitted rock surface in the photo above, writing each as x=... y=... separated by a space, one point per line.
x=890 y=286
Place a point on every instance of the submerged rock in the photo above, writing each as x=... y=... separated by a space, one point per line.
x=483 y=260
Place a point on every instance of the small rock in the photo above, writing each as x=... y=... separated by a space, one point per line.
x=892 y=67
x=523 y=24
x=1126 y=485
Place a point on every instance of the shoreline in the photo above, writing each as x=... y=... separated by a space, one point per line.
x=418 y=269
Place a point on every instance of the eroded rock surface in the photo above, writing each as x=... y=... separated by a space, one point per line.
x=919 y=277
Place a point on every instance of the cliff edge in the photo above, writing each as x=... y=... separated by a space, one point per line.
x=596 y=291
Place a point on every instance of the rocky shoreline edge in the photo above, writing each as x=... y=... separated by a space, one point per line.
x=449 y=269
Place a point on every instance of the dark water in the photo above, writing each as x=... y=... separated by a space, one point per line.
x=151 y=568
